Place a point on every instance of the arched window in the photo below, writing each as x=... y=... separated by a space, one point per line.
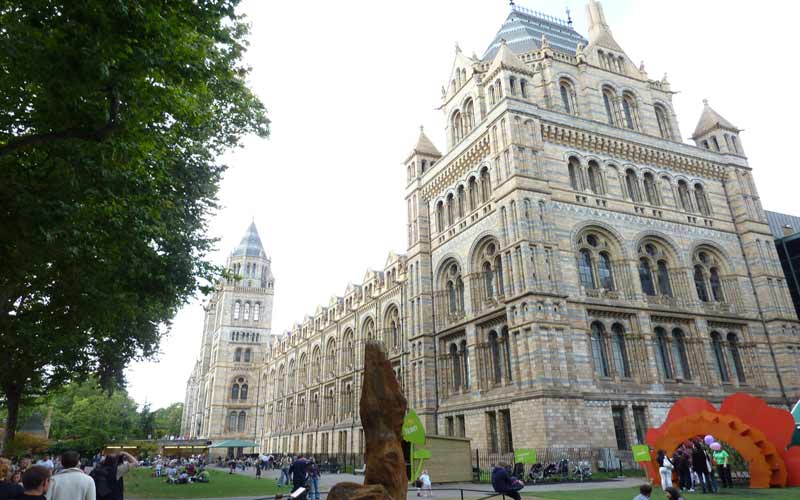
x=498 y=88
x=632 y=183
x=469 y=114
x=565 y=87
x=242 y=417
x=646 y=276
x=488 y=280
x=232 y=422
x=235 y=391
x=462 y=201
x=595 y=178
x=237 y=354
x=585 y=269
x=506 y=344
x=498 y=270
x=734 y=144
x=236 y=307
x=680 y=355
x=492 y=97
x=664 y=286
x=683 y=194
x=330 y=355
x=494 y=349
x=574 y=168
x=608 y=102
x=733 y=353
x=598 y=349
x=700 y=283
x=715 y=142
x=349 y=352
x=473 y=193
x=664 y=128
x=247 y=310
x=456 y=366
x=629 y=110
x=465 y=363
x=247 y=353
x=486 y=188
x=450 y=209
x=716 y=285
x=452 y=301
x=719 y=356
x=243 y=392
x=662 y=353
x=650 y=191
x=440 y=216
x=368 y=330
x=702 y=200
x=604 y=271
x=523 y=88
x=457 y=127
x=512 y=85
x=619 y=350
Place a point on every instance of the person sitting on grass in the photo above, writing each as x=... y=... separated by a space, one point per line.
x=645 y=491
x=673 y=493
x=202 y=477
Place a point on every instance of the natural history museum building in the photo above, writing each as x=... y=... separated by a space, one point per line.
x=572 y=269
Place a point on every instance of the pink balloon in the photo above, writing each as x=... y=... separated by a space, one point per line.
x=715 y=446
x=709 y=439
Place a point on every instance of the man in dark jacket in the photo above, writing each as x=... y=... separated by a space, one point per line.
x=502 y=481
x=299 y=474
x=700 y=466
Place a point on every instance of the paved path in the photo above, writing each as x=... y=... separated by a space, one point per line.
x=446 y=491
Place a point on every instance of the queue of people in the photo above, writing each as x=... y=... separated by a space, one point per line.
x=63 y=478
x=695 y=467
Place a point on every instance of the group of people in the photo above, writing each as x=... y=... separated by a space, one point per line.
x=694 y=466
x=302 y=472
x=181 y=470
x=64 y=478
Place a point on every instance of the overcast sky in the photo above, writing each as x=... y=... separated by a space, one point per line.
x=348 y=83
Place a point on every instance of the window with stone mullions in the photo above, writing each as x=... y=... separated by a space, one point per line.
x=594 y=262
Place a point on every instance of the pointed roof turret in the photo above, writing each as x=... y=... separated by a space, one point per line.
x=250 y=246
x=425 y=146
x=710 y=119
x=599 y=31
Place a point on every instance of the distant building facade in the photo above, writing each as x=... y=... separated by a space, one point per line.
x=573 y=268
x=786 y=230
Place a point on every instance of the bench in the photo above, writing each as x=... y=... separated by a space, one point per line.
x=362 y=470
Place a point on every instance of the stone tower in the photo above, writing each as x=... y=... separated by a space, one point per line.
x=223 y=391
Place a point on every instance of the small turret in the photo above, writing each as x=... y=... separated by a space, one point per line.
x=716 y=133
x=422 y=157
x=249 y=261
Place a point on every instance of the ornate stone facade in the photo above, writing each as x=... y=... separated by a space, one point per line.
x=572 y=266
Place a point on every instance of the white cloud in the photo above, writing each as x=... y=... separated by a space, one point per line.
x=347 y=85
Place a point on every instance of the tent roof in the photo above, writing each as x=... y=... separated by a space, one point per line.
x=234 y=443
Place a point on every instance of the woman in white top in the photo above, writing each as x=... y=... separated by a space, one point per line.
x=665 y=467
x=425 y=481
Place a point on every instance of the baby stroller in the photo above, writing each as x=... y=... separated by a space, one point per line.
x=536 y=473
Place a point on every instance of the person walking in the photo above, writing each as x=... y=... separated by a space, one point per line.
x=313 y=480
x=258 y=470
x=665 y=467
x=286 y=462
x=682 y=463
x=700 y=465
x=71 y=483
x=425 y=479
x=722 y=459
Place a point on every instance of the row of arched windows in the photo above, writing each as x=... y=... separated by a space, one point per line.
x=458 y=205
x=730 y=141
x=597 y=255
x=237 y=336
x=243 y=311
x=644 y=190
x=459 y=359
x=620 y=110
x=600 y=350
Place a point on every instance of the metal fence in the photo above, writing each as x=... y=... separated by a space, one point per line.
x=331 y=463
x=565 y=461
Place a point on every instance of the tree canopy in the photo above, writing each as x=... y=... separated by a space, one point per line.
x=112 y=117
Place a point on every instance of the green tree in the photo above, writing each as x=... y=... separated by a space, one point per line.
x=112 y=117
x=147 y=421
x=168 y=420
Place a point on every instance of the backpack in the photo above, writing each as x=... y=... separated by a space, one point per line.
x=105 y=479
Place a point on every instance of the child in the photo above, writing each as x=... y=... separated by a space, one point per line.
x=258 y=470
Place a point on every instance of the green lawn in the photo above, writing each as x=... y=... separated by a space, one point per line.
x=140 y=484
x=629 y=493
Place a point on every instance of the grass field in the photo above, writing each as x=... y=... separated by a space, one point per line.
x=139 y=484
x=629 y=493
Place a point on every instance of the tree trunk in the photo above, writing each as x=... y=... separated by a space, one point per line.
x=13 y=395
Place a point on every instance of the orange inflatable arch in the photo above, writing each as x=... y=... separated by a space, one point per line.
x=757 y=431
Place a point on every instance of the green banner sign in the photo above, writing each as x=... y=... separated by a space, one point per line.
x=641 y=453
x=422 y=454
x=413 y=430
x=525 y=456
